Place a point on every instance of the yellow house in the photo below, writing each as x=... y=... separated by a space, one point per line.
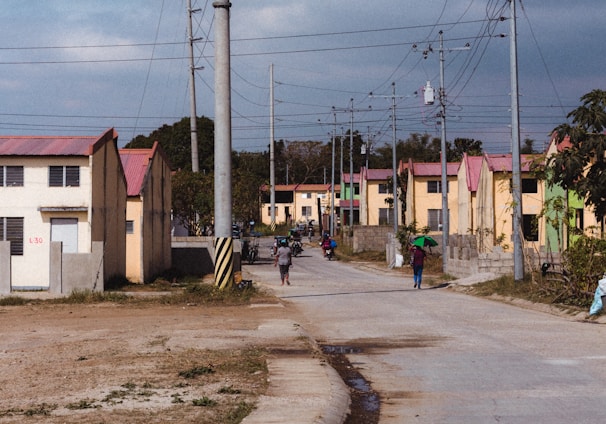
x=424 y=195
x=495 y=209
x=148 y=206
x=374 y=191
x=297 y=203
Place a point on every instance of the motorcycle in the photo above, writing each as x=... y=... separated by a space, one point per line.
x=329 y=254
x=253 y=253
x=297 y=248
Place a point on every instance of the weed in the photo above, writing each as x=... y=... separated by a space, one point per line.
x=176 y=398
x=13 y=301
x=82 y=404
x=229 y=390
x=196 y=371
x=43 y=409
x=204 y=401
x=242 y=410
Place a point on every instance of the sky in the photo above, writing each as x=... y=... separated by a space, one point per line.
x=79 y=67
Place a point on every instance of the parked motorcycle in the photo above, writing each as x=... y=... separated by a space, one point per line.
x=253 y=252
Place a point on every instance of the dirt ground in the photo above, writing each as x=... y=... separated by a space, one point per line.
x=109 y=363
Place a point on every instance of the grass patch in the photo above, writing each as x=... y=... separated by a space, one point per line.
x=196 y=371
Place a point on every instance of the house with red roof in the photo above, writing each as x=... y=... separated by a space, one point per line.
x=375 y=190
x=297 y=204
x=63 y=212
x=495 y=203
x=424 y=195
x=148 y=218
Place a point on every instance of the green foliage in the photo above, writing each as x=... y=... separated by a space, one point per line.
x=176 y=142
x=196 y=371
x=407 y=232
x=582 y=166
x=193 y=199
x=463 y=145
x=584 y=264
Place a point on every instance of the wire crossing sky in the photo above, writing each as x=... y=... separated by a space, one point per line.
x=80 y=67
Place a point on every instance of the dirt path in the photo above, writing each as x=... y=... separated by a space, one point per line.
x=122 y=363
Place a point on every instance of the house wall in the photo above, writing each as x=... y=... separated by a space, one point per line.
x=156 y=242
x=31 y=270
x=5 y=267
x=134 y=241
x=420 y=201
x=464 y=201
x=374 y=202
x=108 y=222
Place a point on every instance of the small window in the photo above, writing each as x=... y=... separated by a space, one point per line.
x=269 y=210
x=436 y=186
x=11 y=176
x=130 y=227
x=434 y=219
x=306 y=195
x=383 y=189
x=64 y=176
x=306 y=211
x=530 y=227
x=384 y=215
x=11 y=229
x=579 y=222
x=529 y=185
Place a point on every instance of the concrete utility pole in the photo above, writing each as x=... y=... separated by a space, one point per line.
x=193 y=124
x=272 y=158
x=223 y=194
x=518 y=256
x=444 y=163
x=332 y=179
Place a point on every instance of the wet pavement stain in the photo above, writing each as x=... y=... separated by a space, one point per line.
x=365 y=405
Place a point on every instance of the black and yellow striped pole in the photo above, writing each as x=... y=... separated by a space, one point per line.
x=224 y=245
x=224 y=262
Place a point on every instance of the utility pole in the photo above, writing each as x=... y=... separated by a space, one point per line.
x=223 y=192
x=444 y=163
x=518 y=256
x=393 y=156
x=272 y=159
x=195 y=162
x=332 y=179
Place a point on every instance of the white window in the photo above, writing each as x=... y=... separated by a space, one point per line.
x=436 y=186
x=306 y=195
x=306 y=211
x=11 y=176
x=384 y=216
x=434 y=219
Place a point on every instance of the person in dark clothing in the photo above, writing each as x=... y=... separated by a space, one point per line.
x=417 y=259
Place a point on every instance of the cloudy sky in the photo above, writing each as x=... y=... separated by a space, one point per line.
x=79 y=67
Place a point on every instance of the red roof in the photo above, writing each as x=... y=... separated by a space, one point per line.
x=53 y=145
x=473 y=165
x=135 y=163
x=433 y=169
x=503 y=163
x=345 y=203
x=356 y=177
x=378 y=174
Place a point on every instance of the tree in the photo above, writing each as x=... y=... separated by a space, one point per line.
x=582 y=166
x=528 y=147
x=176 y=142
x=193 y=200
x=463 y=145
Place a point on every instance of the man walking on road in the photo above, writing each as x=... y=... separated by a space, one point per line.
x=283 y=259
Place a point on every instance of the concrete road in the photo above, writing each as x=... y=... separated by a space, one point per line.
x=436 y=356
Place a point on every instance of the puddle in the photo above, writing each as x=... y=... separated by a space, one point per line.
x=365 y=402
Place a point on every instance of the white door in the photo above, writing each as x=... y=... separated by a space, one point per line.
x=65 y=230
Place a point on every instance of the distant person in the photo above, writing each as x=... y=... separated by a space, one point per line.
x=417 y=257
x=283 y=260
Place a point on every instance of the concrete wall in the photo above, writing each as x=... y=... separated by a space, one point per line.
x=5 y=267
x=373 y=237
x=196 y=255
x=76 y=271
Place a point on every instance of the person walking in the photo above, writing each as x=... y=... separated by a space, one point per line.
x=283 y=259
x=417 y=259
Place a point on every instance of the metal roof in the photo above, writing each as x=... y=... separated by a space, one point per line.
x=135 y=163
x=11 y=145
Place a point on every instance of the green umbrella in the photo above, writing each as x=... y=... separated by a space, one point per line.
x=423 y=241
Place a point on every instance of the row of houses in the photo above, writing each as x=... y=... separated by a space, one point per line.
x=77 y=211
x=479 y=192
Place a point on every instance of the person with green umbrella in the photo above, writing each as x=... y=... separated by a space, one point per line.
x=417 y=259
